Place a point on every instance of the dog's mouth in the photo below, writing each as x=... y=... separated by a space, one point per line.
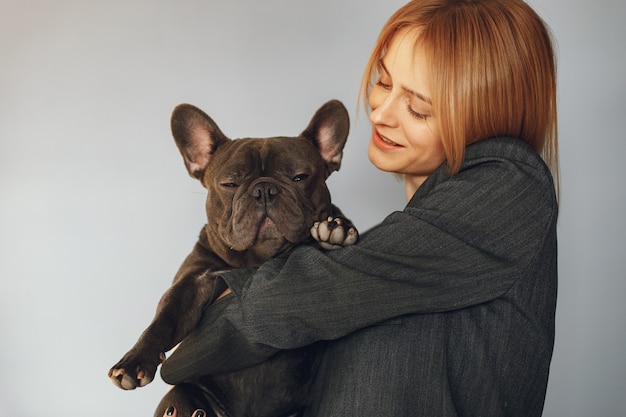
x=255 y=228
x=268 y=242
x=263 y=232
x=268 y=229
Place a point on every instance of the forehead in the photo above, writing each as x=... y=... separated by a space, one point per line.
x=406 y=62
x=246 y=155
x=403 y=47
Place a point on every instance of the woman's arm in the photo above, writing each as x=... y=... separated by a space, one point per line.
x=461 y=241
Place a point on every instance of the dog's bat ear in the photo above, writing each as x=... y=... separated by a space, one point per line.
x=328 y=130
x=197 y=136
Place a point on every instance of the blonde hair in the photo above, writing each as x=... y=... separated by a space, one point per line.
x=493 y=72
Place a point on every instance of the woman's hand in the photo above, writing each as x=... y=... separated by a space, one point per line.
x=222 y=295
x=171 y=412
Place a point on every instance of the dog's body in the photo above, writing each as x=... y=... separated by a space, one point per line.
x=264 y=196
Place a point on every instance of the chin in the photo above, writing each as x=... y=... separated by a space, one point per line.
x=378 y=159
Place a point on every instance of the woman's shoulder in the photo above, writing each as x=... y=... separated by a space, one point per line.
x=501 y=165
x=501 y=180
x=502 y=195
x=507 y=153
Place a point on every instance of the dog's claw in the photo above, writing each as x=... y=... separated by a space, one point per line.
x=125 y=381
x=130 y=372
x=351 y=238
x=332 y=234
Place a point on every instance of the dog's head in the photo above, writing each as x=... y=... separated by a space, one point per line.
x=263 y=193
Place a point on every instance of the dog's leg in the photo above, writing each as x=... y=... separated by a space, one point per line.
x=178 y=312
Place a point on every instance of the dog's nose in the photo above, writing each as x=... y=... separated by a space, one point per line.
x=265 y=193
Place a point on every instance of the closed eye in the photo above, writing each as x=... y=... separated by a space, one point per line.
x=382 y=84
x=300 y=177
x=415 y=114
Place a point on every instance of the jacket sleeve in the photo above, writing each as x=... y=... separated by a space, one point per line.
x=461 y=241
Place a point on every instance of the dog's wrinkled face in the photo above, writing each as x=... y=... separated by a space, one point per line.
x=263 y=194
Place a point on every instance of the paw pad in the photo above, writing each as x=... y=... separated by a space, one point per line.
x=333 y=233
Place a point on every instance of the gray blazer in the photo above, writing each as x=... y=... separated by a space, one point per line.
x=444 y=309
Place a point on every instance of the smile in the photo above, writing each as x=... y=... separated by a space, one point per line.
x=382 y=142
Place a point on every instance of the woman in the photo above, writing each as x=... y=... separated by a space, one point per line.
x=446 y=308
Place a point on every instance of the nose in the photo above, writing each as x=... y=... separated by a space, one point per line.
x=383 y=109
x=265 y=193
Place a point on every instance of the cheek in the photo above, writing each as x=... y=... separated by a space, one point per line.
x=424 y=137
x=437 y=149
x=436 y=139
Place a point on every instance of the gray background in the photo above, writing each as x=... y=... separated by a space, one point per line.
x=97 y=211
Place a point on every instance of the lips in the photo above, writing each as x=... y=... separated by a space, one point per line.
x=382 y=142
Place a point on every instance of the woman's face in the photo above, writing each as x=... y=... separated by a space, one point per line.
x=405 y=139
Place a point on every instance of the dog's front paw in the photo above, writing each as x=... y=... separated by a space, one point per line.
x=135 y=369
x=334 y=233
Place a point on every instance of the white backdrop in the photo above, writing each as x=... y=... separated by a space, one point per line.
x=97 y=211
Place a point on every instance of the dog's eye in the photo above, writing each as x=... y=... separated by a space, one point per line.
x=300 y=177
x=229 y=185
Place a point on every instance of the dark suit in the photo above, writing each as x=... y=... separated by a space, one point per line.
x=444 y=309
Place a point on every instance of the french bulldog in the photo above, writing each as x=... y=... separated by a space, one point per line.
x=265 y=196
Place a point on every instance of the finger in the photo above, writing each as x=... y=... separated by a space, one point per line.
x=222 y=295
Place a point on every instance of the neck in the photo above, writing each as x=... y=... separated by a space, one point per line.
x=411 y=184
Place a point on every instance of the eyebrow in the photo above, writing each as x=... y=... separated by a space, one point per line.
x=407 y=90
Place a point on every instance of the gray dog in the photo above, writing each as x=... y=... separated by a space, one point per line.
x=264 y=197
